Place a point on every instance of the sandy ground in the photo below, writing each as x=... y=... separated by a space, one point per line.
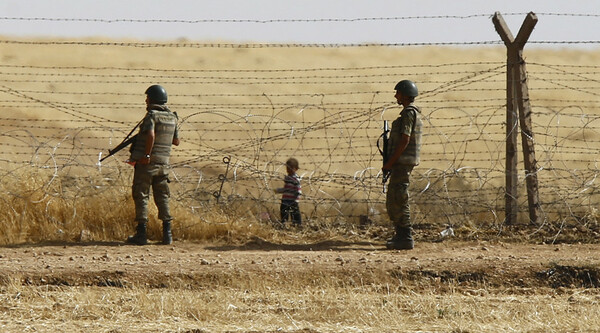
x=497 y=265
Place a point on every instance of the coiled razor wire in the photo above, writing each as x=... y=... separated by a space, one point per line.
x=459 y=182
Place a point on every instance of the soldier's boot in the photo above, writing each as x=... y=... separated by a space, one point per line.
x=402 y=240
x=140 y=237
x=167 y=234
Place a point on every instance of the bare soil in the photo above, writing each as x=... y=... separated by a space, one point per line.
x=490 y=265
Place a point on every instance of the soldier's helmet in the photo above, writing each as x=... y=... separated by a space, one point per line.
x=407 y=88
x=157 y=94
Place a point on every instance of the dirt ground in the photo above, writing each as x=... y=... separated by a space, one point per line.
x=495 y=265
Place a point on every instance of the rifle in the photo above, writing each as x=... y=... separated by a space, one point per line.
x=126 y=142
x=383 y=150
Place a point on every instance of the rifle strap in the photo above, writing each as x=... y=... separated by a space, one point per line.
x=136 y=126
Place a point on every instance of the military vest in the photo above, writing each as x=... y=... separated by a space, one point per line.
x=164 y=123
x=412 y=154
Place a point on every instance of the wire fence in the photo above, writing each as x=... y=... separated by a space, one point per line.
x=239 y=125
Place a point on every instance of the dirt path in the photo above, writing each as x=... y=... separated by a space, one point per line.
x=497 y=265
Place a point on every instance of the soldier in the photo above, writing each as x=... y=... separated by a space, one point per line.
x=150 y=155
x=403 y=151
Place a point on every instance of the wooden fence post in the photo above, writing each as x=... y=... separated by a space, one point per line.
x=517 y=97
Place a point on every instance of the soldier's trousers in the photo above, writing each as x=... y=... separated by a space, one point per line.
x=396 y=202
x=157 y=177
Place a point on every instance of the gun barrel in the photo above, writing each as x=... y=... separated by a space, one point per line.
x=120 y=146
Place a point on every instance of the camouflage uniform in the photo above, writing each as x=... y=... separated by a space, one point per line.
x=409 y=123
x=155 y=174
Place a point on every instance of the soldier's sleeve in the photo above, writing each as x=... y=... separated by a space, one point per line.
x=406 y=122
x=147 y=123
x=176 y=134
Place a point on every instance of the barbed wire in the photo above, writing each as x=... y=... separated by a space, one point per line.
x=259 y=45
x=332 y=131
x=144 y=45
x=253 y=70
x=290 y=20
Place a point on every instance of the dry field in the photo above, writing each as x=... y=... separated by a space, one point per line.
x=65 y=269
x=299 y=286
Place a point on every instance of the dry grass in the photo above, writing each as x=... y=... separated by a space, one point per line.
x=295 y=308
x=40 y=208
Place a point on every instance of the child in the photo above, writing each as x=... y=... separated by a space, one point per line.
x=291 y=191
